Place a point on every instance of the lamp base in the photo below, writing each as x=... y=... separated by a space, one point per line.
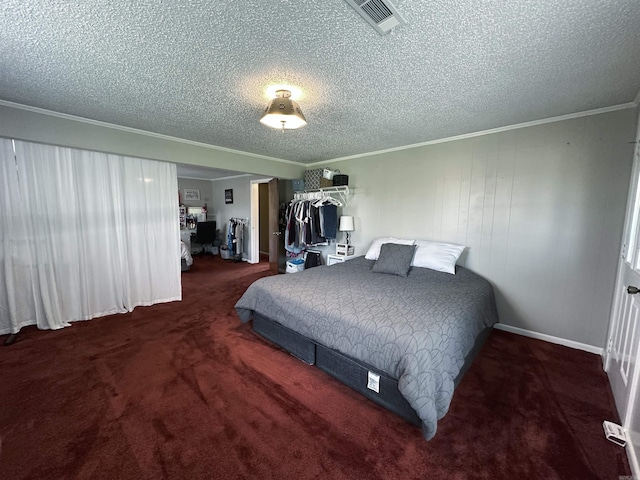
x=344 y=249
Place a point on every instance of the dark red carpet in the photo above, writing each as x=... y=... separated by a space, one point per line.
x=184 y=391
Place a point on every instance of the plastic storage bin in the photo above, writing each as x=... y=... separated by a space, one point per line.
x=295 y=265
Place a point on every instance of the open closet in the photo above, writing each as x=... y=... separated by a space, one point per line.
x=311 y=218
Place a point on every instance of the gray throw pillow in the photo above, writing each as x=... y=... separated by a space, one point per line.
x=394 y=259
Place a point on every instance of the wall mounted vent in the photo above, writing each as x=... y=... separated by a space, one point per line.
x=381 y=14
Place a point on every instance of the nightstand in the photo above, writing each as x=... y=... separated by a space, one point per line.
x=332 y=258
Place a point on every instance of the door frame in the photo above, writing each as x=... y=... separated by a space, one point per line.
x=254 y=248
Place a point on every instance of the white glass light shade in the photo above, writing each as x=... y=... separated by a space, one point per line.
x=283 y=113
x=346 y=224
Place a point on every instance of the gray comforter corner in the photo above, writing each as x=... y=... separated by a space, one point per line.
x=416 y=329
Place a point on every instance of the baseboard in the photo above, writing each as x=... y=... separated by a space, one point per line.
x=550 y=338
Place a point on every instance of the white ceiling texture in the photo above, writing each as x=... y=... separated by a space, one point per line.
x=202 y=70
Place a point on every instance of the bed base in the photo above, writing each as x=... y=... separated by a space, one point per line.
x=348 y=370
x=297 y=345
x=355 y=374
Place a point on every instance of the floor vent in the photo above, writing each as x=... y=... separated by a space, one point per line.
x=381 y=14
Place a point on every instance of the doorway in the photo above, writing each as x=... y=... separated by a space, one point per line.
x=270 y=226
x=263 y=222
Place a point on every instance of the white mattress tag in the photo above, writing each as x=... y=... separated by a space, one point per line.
x=373 y=382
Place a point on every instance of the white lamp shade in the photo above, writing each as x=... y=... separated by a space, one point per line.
x=346 y=224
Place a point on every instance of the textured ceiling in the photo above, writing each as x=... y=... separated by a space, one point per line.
x=200 y=70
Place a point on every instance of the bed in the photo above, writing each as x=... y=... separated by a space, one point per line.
x=402 y=341
x=186 y=260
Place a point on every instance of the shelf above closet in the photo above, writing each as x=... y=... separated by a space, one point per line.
x=341 y=193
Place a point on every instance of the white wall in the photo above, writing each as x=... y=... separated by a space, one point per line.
x=541 y=209
x=206 y=192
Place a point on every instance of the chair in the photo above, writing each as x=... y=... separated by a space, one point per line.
x=206 y=234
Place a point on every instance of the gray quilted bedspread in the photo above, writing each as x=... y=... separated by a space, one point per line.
x=417 y=329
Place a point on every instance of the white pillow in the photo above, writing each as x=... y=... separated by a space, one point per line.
x=441 y=257
x=374 y=250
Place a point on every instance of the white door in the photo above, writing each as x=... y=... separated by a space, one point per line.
x=621 y=357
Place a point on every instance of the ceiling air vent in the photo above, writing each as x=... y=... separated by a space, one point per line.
x=381 y=14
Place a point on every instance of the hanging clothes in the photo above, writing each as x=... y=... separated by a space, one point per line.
x=235 y=237
x=329 y=220
x=309 y=222
x=282 y=218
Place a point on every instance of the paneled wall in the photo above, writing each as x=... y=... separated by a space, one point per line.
x=540 y=208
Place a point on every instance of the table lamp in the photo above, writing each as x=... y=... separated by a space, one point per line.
x=345 y=225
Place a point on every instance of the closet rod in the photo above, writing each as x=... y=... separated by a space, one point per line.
x=339 y=189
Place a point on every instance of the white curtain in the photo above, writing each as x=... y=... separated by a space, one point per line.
x=84 y=234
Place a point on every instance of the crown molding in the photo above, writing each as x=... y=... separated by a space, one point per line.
x=484 y=132
x=137 y=131
x=66 y=116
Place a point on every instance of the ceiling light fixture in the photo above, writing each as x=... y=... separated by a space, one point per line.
x=282 y=112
